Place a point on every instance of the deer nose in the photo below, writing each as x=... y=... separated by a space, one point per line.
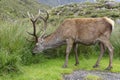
x=33 y=54
x=33 y=51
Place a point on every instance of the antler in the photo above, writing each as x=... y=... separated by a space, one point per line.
x=45 y=22
x=34 y=19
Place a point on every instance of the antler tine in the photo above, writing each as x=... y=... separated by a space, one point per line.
x=28 y=15
x=39 y=11
x=45 y=22
x=33 y=17
x=47 y=14
x=37 y=16
x=33 y=20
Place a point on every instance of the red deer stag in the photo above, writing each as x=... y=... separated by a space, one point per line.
x=72 y=31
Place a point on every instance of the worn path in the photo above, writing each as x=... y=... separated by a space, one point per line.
x=81 y=74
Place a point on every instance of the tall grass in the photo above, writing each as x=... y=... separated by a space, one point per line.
x=11 y=46
x=115 y=39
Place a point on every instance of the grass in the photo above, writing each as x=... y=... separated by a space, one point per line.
x=92 y=77
x=51 y=69
x=14 y=9
x=86 y=10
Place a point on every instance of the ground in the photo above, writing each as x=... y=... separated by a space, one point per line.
x=81 y=74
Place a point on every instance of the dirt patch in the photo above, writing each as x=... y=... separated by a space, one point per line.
x=81 y=74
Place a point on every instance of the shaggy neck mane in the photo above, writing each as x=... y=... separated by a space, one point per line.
x=53 y=40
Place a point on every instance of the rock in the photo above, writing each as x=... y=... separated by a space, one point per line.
x=117 y=21
x=110 y=4
x=96 y=75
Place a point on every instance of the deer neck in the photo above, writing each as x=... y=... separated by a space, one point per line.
x=53 y=40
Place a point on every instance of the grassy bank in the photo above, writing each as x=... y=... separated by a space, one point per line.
x=50 y=69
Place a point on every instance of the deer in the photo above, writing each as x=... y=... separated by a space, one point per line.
x=74 y=31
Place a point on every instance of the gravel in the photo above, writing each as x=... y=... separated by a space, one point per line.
x=81 y=74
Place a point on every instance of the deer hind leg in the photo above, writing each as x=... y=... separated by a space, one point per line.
x=68 y=49
x=102 y=50
x=109 y=46
x=75 y=47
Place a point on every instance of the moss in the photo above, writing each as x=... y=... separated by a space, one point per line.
x=92 y=77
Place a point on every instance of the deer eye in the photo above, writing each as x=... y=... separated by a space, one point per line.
x=41 y=42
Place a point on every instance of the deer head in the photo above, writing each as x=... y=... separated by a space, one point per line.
x=38 y=40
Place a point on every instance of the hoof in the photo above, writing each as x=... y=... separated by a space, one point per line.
x=108 y=68
x=76 y=64
x=95 y=66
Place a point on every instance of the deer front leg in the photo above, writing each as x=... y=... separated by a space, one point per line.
x=68 y=49
x=75 y=47
x=102 y=50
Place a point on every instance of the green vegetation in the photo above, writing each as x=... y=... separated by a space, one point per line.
x=12 y=45
x=87 y=10
x=16 y=60
x=14 y=9
x=51 y=69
